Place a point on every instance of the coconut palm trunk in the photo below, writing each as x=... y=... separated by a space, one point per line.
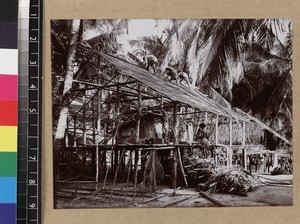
x=62 y=121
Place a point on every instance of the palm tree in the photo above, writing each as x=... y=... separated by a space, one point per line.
x=228 y=58
x=62 y=121
x=66 y=35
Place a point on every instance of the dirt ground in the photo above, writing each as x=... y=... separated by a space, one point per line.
x=266 y=195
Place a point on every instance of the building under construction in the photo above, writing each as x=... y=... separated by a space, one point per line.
x=130 y=132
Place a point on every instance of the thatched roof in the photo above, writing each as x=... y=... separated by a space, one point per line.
x=182 y=94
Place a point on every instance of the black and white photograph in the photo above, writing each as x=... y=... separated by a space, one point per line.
x=166 y=113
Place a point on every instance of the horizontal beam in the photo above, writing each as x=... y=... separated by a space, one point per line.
x=104 y=86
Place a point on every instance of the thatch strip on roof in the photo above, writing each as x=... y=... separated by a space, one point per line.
x=263 y=125
x=183 y=94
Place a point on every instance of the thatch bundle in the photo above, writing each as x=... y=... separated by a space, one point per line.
x=207 y=177
x=235 y=181
x=153 y=172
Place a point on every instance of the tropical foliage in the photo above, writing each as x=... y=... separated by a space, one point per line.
x=242 y=63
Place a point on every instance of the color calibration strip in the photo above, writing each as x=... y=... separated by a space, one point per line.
x=8 y=110
x=23 y=33
x=30 y=104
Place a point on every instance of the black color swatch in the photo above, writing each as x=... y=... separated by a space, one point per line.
x=9 y=35
x=9 y=10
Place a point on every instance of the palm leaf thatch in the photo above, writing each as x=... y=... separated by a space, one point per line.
x=153 y=172
x=235 y=181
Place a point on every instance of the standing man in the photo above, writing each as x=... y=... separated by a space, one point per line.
x=202 y=137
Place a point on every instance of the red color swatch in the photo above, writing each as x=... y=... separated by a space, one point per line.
x=8 y=113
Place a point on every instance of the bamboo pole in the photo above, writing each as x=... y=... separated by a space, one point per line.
x=67 y=133
x=217 y=129
x=84 y=132
x=116 y=174
x=230 y=131
x=84 y=118
x=175 y=143
x=245 y=158
x=163 y=121
x=176 y=202
x=244 y=143
x=182 y=168
x=117 y=114
x=74 y=131
x=244 y=133
x=205 y=118
x=67 y=154
x=98 y=130
x=128 y=175
x=228 y=149
x=137 y=139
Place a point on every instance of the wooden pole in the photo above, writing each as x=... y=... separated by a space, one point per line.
x=244 y=144
x=99 y=96
x=175 y=143
x=104 y=152
x=244 y=133
x=67 y=145
x=67 y=134
x=205 y=118
x=137 y=139
x=217 y=129
x=163 y=121
x=84 y=118
x=128 y=175
x=228 y=150
x=84 y=133
x=117 y=114
x=74 y=131
x=116 y=174
x=230 y=131
x=182 y=168
x=245 y=159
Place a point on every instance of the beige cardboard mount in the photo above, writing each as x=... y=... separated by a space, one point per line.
x=100 y=9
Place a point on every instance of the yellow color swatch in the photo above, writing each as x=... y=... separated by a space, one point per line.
x=8 y=138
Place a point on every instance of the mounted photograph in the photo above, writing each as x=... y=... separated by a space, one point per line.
x=165 y=113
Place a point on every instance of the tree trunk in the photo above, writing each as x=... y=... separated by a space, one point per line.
x=62 y=121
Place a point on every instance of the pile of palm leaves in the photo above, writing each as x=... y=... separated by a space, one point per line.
x=199 y=170
x=153 y=172
x=196 y=163
x=225 y=180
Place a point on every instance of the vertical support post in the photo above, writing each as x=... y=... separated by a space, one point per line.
x=117 y=113
x=74 y=131
x=230 y=132
x=217 y=130
x=244 y=133
x=98 y=126
x=245 y=158
x=137 y=139
x=94 y=153
x=244 y=143
x=175 y=143
x=84 y=118
x=67 y=151
x=137 y=134
x=111 y=120
x=105 y=142
x=163 y=138
x=94 y=123
x=84 y=133
x=229 y=159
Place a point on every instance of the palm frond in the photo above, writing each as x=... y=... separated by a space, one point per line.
x=153 y=172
